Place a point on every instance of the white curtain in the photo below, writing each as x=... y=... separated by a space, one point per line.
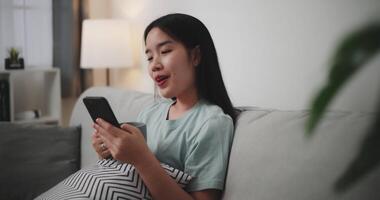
x=27 y=25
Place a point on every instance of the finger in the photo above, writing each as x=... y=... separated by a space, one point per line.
x=102 y=149
x=96 y=134
x=103 y=133
x=105 y=137
x=99 y=150
x=129 y=128
x=95 y=141
x=107 y=126
x=109 y=145
x=105 y=154
x=107 y=132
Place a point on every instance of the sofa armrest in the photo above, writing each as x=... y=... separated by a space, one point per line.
x=36 y=157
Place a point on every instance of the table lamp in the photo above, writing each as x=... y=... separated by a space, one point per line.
x=105 y=44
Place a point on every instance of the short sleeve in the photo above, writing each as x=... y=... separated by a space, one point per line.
x=141 y=116
x=207 y=156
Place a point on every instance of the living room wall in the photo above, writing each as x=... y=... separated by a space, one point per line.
x=273 y=54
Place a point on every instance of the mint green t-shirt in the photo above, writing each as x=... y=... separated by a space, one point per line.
x=197 y=143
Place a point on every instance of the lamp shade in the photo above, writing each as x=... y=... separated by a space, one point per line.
x=105 y=44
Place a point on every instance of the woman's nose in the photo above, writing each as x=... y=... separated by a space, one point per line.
x=156 y=65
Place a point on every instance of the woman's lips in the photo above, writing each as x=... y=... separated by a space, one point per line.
x=161 y=82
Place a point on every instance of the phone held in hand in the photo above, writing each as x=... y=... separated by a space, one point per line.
x=98 y=107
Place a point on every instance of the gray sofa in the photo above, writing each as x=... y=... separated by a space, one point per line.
x=33 y=158
x=271 y=158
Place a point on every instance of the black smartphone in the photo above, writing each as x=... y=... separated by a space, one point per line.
x=98 y=107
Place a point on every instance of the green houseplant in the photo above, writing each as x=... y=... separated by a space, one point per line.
x=13 y=61
x=353 y=53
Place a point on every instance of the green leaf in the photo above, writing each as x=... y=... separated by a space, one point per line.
x=366 y=160
x=353 y=53
x=13 y=54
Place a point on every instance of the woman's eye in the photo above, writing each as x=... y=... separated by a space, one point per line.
x=166 y=51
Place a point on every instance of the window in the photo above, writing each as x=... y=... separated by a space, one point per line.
x=27 y=25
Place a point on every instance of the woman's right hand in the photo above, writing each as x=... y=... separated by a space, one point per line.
x=99 y=146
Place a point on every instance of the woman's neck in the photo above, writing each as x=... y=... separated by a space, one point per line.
x=183 y=103
x=186 y=101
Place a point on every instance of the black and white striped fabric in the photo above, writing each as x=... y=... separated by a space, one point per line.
x=108 y=179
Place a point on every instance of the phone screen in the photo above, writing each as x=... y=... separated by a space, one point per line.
x=98 y=107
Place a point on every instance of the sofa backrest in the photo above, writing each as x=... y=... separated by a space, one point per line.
x=271 y=157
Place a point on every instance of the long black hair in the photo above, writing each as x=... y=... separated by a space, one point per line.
x=192 y=33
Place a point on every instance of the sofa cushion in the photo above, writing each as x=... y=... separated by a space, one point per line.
x=271 y=157
x=35 y=157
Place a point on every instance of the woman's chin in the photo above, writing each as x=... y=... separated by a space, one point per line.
x=166 y=94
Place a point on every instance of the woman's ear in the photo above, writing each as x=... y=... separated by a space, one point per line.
x=196 y=55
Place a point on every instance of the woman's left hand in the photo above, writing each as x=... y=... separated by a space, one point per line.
x=126 y=144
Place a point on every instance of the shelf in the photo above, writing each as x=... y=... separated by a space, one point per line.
x=34 y=89
x=50 y=70
x=42 y=120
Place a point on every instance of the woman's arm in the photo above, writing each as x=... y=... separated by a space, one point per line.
x=207 y=194
x=128 y=145
x=162 y=186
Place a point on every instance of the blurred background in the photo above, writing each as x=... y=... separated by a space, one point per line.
x=273 y=54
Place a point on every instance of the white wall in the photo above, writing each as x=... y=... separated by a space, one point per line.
x=272 y=53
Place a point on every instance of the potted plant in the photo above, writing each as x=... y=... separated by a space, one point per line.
x=13 y=61
x=353 y=53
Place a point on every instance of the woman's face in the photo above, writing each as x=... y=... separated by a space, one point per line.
x=170 y=65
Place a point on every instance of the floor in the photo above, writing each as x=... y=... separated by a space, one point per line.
x=67 y=108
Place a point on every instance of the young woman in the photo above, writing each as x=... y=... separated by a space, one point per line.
x=191 y=128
